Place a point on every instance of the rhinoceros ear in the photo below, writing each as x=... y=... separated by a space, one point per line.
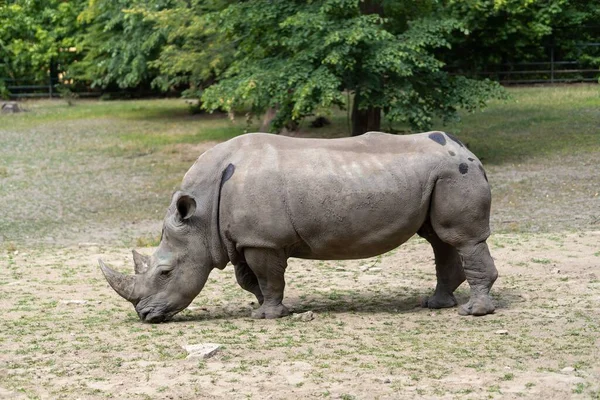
x=186 y=206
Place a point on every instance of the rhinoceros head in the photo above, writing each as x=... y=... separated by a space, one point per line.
x=167 y=282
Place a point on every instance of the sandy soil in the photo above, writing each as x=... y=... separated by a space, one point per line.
x=73 y=192
x=368 y=340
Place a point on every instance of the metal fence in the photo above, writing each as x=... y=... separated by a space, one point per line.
x=23 y=88
x=541 y=72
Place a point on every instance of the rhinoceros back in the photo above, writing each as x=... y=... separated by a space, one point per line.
x=329 y=198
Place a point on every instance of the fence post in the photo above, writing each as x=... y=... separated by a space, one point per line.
x=50 y=86
x=552 y=64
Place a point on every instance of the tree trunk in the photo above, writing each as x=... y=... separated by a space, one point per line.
x=365 y=120
x=267 y=119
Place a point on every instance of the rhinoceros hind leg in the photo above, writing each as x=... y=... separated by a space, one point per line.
x=481 y=275
x=269 y=267
x=248 y=280
x=448 y=267
x=460 y=215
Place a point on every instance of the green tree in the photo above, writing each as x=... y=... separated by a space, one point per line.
x=118 y=44
x=298 y=56
x=37 y=37
x=512 y=31
x=193 y=55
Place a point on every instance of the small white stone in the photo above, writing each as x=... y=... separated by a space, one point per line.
x=567 y=369
x=201 y=350
x=305 y=316
x=73 y=301
x=88 y=244
x=375 y=269
x=501 y=332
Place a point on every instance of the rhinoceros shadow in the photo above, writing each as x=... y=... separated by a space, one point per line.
x=357 y=302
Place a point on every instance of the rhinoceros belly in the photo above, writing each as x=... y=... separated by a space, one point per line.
x=354 y=209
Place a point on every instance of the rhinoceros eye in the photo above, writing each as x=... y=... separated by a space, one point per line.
x=165 y=273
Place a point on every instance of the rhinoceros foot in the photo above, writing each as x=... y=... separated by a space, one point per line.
x=439 y=301
x=270 y=311
x=477 y=306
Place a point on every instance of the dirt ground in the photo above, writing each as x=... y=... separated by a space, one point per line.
x=70 y=194
x=368 y=339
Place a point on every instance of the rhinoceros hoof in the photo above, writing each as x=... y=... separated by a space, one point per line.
x=477 y=307
x=270 y=312
x=439 y=301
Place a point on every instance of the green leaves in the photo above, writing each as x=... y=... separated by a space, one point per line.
x=34 y=35
x=298 y=57
x=119 y=43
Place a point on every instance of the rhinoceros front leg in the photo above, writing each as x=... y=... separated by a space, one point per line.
x=269 y=267
x=448 y=268
x=248 y=280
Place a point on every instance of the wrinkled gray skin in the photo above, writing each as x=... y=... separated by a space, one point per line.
x=259 y=199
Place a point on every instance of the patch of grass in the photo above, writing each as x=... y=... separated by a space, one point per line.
x=148 y=241
x=544 y=261
x=508 y=377
x=579 y=388
x=537 y=121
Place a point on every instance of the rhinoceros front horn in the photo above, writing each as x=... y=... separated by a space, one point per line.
x=122 y=284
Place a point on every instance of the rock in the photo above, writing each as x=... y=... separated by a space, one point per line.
x=375 y=269
x=567 y=369
x=501 y=332
x=320 y=122
x=88 y=244
x=201 y=350
x=74 y=301
x=11 y=107
x=365 y=268
x=305 y=316
x=196 y=308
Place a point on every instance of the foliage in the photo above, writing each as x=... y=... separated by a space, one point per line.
x=299 y=57
x=193 y=56
x=119 y=44
x=502 y=31
x=37 y=36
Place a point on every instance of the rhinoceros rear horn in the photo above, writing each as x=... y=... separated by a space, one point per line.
x=141 y=262
x=122 y=284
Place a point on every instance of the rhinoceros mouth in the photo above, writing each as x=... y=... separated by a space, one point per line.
x=153 y=316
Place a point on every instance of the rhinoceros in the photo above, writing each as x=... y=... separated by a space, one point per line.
x=259 y=199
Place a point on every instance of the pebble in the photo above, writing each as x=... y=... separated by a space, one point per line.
x=567 y=369
x=88 y=244
x=74 y=301
x=201 y=350
x=501 y=332
x=305 y=316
